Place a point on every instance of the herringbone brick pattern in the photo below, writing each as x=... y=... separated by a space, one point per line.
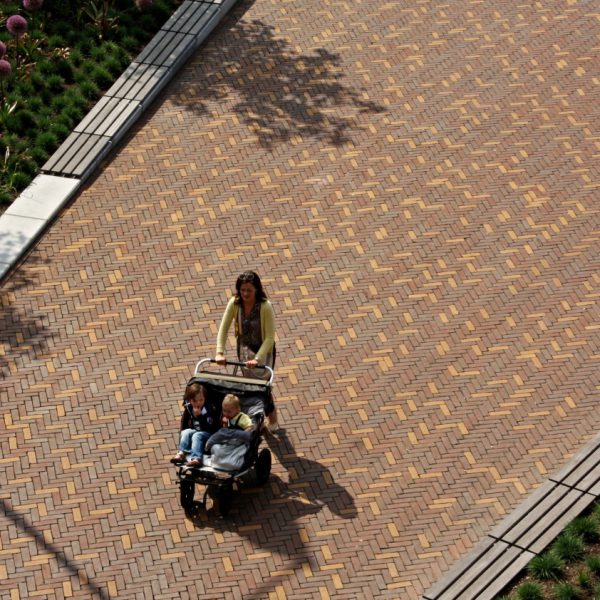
x=418 y=185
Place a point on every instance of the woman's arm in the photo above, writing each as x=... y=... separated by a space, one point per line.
x=267 y=319
x=224 y=327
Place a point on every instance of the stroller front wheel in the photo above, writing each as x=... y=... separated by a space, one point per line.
x=187 y=495
x=225 y=499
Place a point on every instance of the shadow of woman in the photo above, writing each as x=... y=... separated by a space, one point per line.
x=271 y=517
x=310 y=479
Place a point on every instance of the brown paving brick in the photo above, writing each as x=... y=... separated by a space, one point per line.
x=416 y=184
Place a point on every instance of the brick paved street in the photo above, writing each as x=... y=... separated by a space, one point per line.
x=418 y=184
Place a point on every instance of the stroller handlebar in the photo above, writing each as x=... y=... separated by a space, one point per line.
x=204 y=361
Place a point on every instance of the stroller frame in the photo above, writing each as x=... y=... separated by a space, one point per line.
x=220 y=485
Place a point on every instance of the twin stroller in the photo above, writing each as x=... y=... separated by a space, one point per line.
x=233 y=458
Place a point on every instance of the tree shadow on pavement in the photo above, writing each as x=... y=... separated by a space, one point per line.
x=75 y=570
x=277 y=91
x=20 y=333
x=270 y=516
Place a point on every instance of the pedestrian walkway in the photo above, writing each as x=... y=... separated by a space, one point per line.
x=417 y=184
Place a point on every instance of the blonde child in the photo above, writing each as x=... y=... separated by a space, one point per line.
x=233 y=417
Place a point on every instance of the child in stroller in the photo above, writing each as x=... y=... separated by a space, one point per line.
x=198 y=422
x=233 y=417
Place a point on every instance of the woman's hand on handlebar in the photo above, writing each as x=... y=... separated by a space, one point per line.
x=220 y=359
x=250 y=364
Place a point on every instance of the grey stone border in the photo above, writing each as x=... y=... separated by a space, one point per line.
x=524 y=533
x=78 y=158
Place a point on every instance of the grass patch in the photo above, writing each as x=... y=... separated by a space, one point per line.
x=70 y=55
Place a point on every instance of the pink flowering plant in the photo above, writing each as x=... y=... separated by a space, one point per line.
x=56 y=59
x=17 y=27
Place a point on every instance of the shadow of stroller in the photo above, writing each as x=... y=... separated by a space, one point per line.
x=270 y=517
x=310 y=488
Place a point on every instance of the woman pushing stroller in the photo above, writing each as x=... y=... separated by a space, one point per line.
x=254 y=324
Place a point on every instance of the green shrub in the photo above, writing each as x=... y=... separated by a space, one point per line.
x=6 y=197
x=587 y=527
x=55 y=84
x=118 y=53
x=57 y=41
x=99 y=53
x=46 y=96
x=530 y=591
x=584 y=579
x=63 y=29
x=72 y=114
x=569 y=546
x=44 y=121
x=66 y=121
x=101 y=77
x=59 y=103
x=47 y=141
x=129 y=43
x=76 y=99
x=64 y=68
x=22 y=120
x=67 y=66
x=75 y=58
x=593 y=564
x=30 y=47
x=39 y=156
x=24 y=88
x=38 y=81
x=113 y=66
x=45 y=67
x=160 y=10
x=85 y=45
x=546 y=566
x=89 y=90
x=59 y=131
x=37 y=106
x=144 y=22
x=566 y=591
x=28 y=166
x=6 y=141
x=138 y=32
x=87 y=66
x=20 y=180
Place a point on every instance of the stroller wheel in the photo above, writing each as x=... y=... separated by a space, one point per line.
x=225 y=498
x=263 y=466
x=187 y=495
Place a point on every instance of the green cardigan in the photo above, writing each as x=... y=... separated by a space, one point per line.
x=267 y=327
